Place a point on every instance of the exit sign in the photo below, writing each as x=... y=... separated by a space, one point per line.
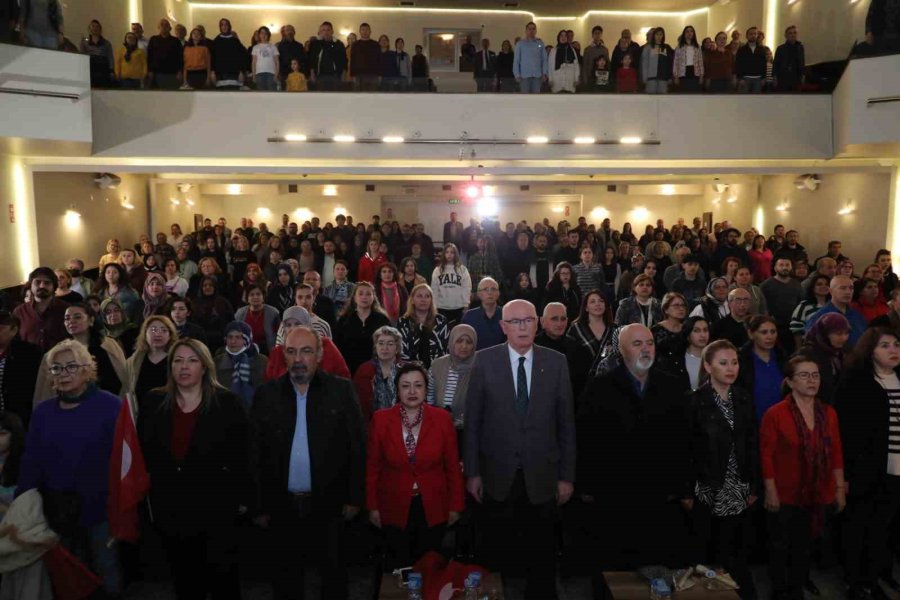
x=453 y=201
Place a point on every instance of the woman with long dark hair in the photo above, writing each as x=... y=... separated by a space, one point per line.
x=762 y=364
x=452 y=285
x=656 y=63
x=687 y=69
x=868 y=402
x=506 y=80
x=360 y=318
x=595 y=337
x=196 y=447
x=562 y=288
x=725 y=464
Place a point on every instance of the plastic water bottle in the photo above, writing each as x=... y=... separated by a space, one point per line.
x=472 y=586
x=414 y=586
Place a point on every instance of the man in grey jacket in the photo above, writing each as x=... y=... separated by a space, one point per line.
x=520 y=448
x=594 y=51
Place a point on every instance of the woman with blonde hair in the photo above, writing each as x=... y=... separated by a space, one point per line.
x=112 y=253
x=196 y=446
x=146 y=368
x=423 y=329
x=72 y=471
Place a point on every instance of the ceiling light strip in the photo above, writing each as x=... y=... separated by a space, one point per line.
x=477 y=141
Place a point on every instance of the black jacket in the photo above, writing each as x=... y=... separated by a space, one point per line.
x=229 y=57
x=328 y=59
x=712 y=439
x=749 y=63
x=354 y=338
x=864 y=416
x=288 y=51
x=23 y=361
x=337 y=443
x=633 y=450
x=205 y=490
x=480 y=71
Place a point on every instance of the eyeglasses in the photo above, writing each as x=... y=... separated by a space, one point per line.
x=806 y=376
x=526 y=322
x=158 y=330
x=386 y=344
x=70 y=368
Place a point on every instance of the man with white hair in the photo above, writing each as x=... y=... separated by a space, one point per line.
x=633 y=462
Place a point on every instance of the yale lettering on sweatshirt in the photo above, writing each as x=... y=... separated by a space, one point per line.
x=450 y=279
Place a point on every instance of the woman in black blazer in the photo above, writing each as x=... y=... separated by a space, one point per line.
x=868 y=406
x=725 y=464
x=196 y=447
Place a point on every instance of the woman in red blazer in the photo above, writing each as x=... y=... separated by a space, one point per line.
x=414 y=484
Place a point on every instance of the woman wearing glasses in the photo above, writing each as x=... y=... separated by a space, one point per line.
x=414 y=485
x=803 y=474
x=72 y=471
x=146 y=368
x=374 y=379
x=196 y=446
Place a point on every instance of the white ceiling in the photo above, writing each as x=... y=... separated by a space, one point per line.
x=538 y=7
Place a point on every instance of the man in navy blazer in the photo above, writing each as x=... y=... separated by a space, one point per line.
x=520 y=448
x=486 y=68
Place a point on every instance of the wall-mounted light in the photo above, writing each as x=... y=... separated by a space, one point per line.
x=537 y=139
x=72 y=218
x=557 y=209
x=234 y=188
x=447 y=37
x=667 y=189
x=263 y=212
x=190 y=202
x=586 y=140
x=294 y=137
x=303 y=214
x=599 y=213
x=344 y=138
x=346 y=31
x=783 y=206
x=329 y=190
x=126 y=204
x=174 y=201
x=630 y=139
x=731 y=199
x=340 y=210
x=639 y=212
x=848 y=209
x=392 y=139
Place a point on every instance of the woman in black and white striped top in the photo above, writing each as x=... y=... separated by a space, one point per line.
x=868 y=406
x=450 y=373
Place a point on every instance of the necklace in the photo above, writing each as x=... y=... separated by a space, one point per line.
x=410 y=439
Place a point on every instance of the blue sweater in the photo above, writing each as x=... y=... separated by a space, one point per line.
x=70 y=450
x=530 y=59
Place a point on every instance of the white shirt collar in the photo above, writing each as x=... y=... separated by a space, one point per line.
x=514 y=355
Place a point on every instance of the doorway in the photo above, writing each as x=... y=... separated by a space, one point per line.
x=445 y=49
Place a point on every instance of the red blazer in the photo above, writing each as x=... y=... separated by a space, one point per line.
x=780 y=453
x=332 y=363
x=362 y=381
x=390 y=476
x=368 y=267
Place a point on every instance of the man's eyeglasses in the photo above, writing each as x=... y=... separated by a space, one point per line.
x=805 y=376
x=526 y=322
x=71 y=369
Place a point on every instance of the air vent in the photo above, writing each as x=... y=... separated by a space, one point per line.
x=292 y=188
x=612 y=189
x=447 y=187
x=524 y=188
x=409 y=191
x=370 y=187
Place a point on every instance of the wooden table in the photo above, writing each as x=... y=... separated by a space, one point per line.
x=391 y=591
x=631 y=586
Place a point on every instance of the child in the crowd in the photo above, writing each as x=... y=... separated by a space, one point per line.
x=626 y=76
x=602 y=77
x=296 y=81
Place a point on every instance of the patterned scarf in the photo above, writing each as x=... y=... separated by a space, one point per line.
x=384 y=392
x=151 y=303
x=409 y=439
x=390 y=298
x=815 y=454
x=242 y=362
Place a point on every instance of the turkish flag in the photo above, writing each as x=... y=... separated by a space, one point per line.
x=129 y=481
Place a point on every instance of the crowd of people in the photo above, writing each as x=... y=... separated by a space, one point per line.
x=674 y=394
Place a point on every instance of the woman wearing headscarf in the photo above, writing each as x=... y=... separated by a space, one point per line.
x=154 y=296
x=564 y=67
x=450 y=374
x=824 y=343
x=281 y=291
x=212 y=312
x=239 y=364
x=118 y=326
x=713 y=306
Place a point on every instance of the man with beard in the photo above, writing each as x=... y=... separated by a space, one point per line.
x=633 y=463
x=41 y=319
x=308 y=452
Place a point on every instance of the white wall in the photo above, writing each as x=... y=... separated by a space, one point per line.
x=102 y=215
x=858 y=126
x=827 y=28
x=18 y=241
x=145 y=124
x=815 y=214
x=737 y=14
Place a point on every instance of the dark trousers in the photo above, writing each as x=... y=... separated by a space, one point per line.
x=453 y=315
x=485 y=84
x=790 y=537
x=302 y=537
x=867 y=527
x=202 y=564
x=328 y=83
x=725 y=541
x=406 y=546
x=517 y=533
x=690 y=83
x=367 y=83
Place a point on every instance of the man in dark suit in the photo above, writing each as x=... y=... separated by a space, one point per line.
x=520 y=448
x=308 y=453
x=633 y=458
x=486 y=68
x=453 y=232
